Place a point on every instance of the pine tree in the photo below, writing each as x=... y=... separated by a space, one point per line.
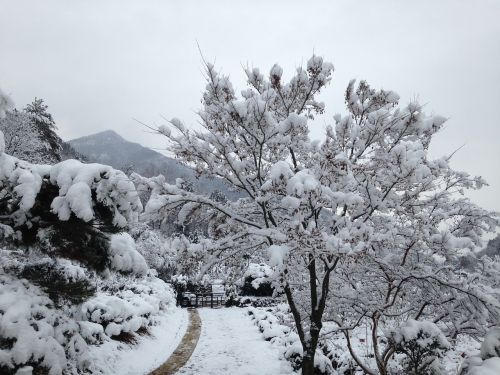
x=37 y=111
x=30 y=134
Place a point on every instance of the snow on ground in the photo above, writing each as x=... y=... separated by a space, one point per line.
x=231 y=344
x=149 y=352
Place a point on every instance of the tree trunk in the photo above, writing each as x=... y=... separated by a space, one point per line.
x=310 y=347
x=310 y=342
x=308 y=364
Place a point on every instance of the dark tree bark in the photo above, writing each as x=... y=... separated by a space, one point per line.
x=318 y=302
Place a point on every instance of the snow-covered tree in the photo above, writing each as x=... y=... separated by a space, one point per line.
x=30 y=134
x=156 y=249
x=367 y=193
x=6 y=104
x=37 y=111
x=68 y=210
x=422 y=344
x=21 y=137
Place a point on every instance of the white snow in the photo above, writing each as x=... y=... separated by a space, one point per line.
x=278 y=254
x=280 y=170
x=230 y=344
x=259 y=272
x=75 y=181
x=124 y=256
x=489 y=367
x=491 y=344
x=302 y=183
x=276 y=71
x=149 y=352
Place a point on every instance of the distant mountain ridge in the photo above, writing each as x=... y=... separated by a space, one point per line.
x=108 y=147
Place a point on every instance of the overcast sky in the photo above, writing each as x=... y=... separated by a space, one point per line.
x=99 y=64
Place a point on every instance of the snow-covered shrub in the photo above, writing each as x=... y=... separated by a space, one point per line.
x=246 y=301
x=276 y=326
x=66 y=209
x=338 y=356
x=488 y=360
x=34 y=333
x=61 y=279
x=422 y=344
x=127 y=305
x=256 y=280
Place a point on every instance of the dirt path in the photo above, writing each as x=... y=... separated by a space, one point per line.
x=183 y=352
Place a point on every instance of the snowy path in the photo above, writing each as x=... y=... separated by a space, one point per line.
x=150 y=352
x=230 y=344
x=183 y=352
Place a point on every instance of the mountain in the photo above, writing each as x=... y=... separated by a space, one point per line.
x=108 y=147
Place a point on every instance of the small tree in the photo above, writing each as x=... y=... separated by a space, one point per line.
x=30 y=134
x=37 y=111
x=422 y=345
x=313 y=207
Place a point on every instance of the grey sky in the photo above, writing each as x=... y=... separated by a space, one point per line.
x=98 y=64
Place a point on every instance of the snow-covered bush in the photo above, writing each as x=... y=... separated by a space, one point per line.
x=276 y=326
x=38 y=333
x=66 y=209
x=69 y=189
x=488 y=360
x=422 y=344
x=63 y=280
x=257 y=280
x=126 y=305
x=34 y=333
x=246 y=301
